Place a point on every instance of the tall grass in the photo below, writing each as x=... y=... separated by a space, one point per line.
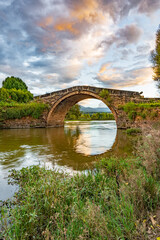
x=114 y=201
x=143 y=110
x=15 y=110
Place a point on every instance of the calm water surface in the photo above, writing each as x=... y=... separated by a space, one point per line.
x=76 y=147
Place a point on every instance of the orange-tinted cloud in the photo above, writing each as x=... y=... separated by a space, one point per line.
x=88 y=10
x=66 y=26
x=117 y=78
x=103 y=68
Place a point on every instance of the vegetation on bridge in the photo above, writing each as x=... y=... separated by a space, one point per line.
x=118 y=200
x=144 y=110
x=105 y=94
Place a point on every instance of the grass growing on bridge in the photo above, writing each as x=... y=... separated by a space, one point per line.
x=143 y=110
x=14 y=110
x=115 y=201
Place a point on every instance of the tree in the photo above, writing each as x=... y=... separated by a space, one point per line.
x=13 y=82
x=155 y=58
x=74 y=113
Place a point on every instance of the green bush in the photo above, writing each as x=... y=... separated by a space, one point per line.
x=4 y=94
x=19 y=110
x=131 y=131
x=14 y=83
x=141 y=109
x=15 y=95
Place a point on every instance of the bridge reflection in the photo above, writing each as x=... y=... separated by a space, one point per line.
x=75 y=147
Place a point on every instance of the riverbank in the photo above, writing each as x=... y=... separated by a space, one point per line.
x=119 y=199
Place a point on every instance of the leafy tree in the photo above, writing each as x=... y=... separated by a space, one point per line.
x=74 y=112
x=13 y=82
x=155 y=58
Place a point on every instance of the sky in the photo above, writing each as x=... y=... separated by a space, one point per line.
x=56 y=44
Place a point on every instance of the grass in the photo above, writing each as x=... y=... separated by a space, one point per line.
x=133 y=131
x=14 y=110
x=114 y=201
x=143 y=110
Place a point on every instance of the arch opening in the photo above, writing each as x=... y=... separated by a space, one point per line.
x=60 y=108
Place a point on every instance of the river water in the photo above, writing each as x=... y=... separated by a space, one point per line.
x=74 y=148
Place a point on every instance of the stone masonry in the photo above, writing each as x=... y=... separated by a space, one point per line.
x=61 y=101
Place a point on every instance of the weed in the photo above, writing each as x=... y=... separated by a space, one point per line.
x=132 y=131
x=18 y=110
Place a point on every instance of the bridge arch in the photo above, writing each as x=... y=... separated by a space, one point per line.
x=60 y=108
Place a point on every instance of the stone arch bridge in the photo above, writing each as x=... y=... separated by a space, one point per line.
x=61 y=101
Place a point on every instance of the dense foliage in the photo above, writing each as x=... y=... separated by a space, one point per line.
x=75 y=114
x=116 y=201
x=142 y=110
x=14 y=101
x=15 y=95
x=14 y=82
x=155 y=58
x=14 y=110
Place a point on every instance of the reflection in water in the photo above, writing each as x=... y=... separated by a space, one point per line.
x=72 y=148
x=94 y=138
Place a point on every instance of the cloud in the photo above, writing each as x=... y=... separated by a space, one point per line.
x=49 y=43
x=117 y=78
x=148 y=6
x=129 y=34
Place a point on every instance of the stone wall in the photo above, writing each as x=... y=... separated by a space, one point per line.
x=25 y=122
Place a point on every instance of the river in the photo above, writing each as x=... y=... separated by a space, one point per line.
x=72 y=149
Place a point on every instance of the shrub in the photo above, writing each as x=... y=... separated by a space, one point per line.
x=4 y=94
x=56 y=206
x=19 y=110
x=141 y=109
x=16 y=95
x=14 y=82
x=132 y=115
x=132 y=131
